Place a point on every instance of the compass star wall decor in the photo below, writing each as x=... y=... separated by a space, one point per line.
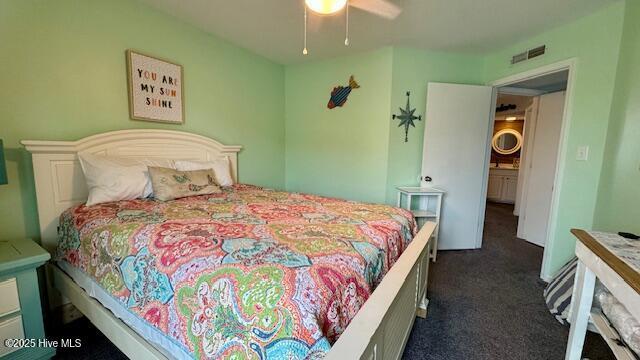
x=406 y=118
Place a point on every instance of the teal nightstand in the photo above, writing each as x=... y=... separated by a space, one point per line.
x=20 y=309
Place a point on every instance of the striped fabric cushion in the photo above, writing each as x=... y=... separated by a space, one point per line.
x=557 y=295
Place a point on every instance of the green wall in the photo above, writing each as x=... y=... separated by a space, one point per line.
x=594 y=42
x=619 y=194
x=63 y=77
x=340 y=152
x=412 y=70
x=360 y=141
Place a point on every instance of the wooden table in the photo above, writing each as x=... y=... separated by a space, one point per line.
x=615 y=261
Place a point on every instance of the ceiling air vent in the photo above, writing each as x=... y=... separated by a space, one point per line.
x=519 y=57
x=529 y=54
x=537 y=51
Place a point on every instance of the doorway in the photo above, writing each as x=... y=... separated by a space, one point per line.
x=541 y=157
x=524 y=151
x=458 y=146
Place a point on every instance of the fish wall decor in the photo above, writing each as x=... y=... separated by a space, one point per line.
x=340 y=94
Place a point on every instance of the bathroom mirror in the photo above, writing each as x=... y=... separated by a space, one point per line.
x=506 y=141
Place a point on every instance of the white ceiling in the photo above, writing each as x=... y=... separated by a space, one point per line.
x=273 y=28
x=547 y=83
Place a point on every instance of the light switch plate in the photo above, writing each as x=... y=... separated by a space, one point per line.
x=583 y=153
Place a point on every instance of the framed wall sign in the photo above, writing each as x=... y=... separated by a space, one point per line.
x=156 y=89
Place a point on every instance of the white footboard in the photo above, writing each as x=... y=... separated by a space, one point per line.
x=382 y=326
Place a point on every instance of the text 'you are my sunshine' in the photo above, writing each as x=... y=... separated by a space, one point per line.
x=161 y=90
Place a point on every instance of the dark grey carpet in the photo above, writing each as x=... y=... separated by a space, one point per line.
x=95 y=346
x=488 y=303
x=485 y=304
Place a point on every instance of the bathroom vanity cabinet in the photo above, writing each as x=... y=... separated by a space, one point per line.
x=502 y=186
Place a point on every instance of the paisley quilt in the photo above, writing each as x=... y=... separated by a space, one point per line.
x=248 y=273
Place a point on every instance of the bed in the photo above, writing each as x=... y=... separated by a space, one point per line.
x=249 y=272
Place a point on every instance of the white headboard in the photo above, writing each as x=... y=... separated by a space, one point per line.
x=59 y=180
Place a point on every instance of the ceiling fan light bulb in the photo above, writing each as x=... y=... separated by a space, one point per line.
x=325 y=7
x=304 y=51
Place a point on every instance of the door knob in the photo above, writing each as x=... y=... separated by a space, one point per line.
x=427 y=178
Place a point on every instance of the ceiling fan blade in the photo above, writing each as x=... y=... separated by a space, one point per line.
x=381 y=8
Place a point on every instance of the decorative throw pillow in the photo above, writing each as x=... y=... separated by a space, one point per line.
x=221 y=167
x=169 y=184
x=558 y=293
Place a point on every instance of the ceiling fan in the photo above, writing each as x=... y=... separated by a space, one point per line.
x=382 y=8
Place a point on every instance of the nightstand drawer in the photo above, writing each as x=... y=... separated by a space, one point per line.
x=9 y=301
x=20 y=307
x=10 y=329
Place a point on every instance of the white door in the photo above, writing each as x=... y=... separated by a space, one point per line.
x=534 y=212
x=530 y=117
x=459 y=119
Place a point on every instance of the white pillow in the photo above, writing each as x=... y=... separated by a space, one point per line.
x=112 y=178
x=221 y=168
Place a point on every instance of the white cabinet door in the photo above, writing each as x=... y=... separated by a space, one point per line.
x=455 y=156
x=509 y=187
x=494 y=189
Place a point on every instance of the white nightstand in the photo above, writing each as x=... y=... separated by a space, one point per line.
x=427 y=208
